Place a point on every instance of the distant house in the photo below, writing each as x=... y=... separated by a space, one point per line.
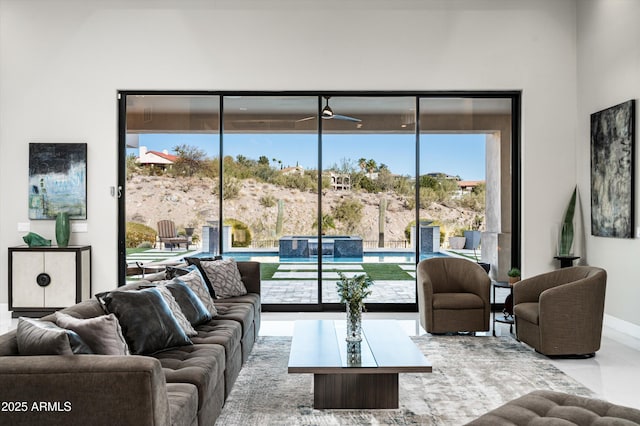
x=162 y=160
x=297 y=170
x=467 y=186
x=340 y=181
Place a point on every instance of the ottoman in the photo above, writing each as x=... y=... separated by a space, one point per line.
x=557 y=408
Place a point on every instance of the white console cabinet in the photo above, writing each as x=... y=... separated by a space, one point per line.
x=45 y=279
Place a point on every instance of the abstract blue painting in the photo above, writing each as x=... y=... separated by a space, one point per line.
x=57 y=180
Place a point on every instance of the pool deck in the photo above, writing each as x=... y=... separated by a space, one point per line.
x=297 y=283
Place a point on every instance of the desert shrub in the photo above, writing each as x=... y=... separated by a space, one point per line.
x=295 y=181
x=230 y=187
x=145 y=245
x=349 y=212
x=268 y=200
x=138 y=233
x=240 y=233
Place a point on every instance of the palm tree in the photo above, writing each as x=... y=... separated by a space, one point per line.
x=362 y=163
x=371 y=166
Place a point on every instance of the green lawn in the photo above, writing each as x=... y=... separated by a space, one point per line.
x=377 y=271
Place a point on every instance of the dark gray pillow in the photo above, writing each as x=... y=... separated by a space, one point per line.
x=103 y=334
x=147 y=321
x=37 y=337
x=190 y=304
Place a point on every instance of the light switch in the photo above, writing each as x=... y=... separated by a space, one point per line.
x=79 y=227
x=24 y=226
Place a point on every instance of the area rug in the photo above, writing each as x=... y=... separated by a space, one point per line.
x=471 y=375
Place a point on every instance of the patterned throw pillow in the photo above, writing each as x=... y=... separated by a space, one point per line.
x=177 y=312
x=224 y=277
x=196 y=283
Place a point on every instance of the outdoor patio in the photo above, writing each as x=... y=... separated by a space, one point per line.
x=296 y=282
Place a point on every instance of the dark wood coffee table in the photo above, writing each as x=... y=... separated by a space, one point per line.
x=346 y=380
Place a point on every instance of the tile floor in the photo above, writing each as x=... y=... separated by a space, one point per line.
x=613 y=374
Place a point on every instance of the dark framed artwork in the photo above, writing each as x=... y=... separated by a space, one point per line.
x=613 y=171
x=57 y=180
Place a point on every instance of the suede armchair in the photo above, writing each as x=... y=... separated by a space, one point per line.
x=453 y=295
x=560 y=312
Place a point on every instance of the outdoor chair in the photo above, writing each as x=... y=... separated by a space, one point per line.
x=168 y=235
x=559 y=313
x=453 y=295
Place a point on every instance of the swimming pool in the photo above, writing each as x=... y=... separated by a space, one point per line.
x=368 y=257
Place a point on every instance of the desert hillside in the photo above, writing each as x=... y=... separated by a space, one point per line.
x=192 y=202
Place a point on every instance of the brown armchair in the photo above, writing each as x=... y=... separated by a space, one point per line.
x=560 y=312
x=453 y=295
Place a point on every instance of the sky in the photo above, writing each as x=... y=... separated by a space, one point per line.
x=454 y=154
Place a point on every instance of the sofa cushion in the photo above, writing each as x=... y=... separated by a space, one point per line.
x=37 y=337
x=146 y=320
x=183 y=404
x=240 y=312
x=201 y=365
x=226 y=333
x=103 y=334
x=224 y=277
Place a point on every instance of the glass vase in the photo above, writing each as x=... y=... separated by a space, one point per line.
x=354 y=322
x=63 y=229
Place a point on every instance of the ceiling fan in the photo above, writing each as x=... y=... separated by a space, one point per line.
x=328 y=114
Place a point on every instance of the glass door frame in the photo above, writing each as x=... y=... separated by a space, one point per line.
x=513 y=95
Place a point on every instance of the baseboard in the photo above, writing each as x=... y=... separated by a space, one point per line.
x=622 y=326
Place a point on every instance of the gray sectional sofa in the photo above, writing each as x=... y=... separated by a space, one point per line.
x=184 y=385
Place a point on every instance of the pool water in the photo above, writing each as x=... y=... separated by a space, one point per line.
x=377 y=257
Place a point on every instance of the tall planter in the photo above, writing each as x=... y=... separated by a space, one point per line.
x=63 y=229
x=472 y=240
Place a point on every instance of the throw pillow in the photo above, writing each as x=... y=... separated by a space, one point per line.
x=196 y=261
x=191 y=305
x=224 y=277
x=146 y=320
x=103 y=334
x=177 y=311
x=196 y=283
x=37 y=337
x=178 y=270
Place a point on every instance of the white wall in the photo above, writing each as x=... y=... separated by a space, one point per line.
x=608 y=74
x=62 y=61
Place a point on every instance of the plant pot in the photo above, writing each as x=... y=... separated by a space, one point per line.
x=457 y=243
x=513 y=280
x=472 y=240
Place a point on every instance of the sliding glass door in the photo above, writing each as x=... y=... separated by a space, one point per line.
x=368 y=153
x=313 y=185
x=270 y=192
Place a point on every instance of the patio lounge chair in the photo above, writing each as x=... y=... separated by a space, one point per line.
x=168 y=235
